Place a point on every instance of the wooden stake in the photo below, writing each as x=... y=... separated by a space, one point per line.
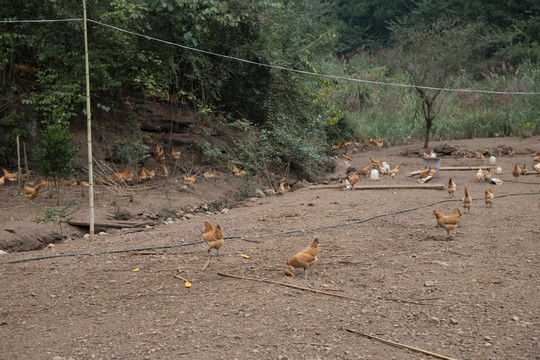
x=19 y=171
x=453 y=168
x=400 y=345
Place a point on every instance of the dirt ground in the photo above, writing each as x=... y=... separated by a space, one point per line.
x=397 y=277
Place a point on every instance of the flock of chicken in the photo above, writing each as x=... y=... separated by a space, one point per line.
x=304 y=259
x=450 y=222
x=124 y=177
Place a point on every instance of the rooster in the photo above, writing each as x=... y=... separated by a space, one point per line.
x=488 y=196
x=467 y=200
x=306 y=258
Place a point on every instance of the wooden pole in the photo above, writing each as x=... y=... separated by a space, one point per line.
x=88 y=128
x=19 y=171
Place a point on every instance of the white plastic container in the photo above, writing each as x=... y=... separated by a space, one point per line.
x=374 y=175
x=498 y=171
x=492 y=160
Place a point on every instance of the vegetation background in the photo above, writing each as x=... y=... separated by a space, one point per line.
x=185 y=54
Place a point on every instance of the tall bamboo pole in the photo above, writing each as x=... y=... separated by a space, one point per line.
x=89 y=129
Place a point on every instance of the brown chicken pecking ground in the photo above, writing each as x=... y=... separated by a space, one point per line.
x=473 y=296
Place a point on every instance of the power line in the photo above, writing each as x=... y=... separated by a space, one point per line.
x=283 y=68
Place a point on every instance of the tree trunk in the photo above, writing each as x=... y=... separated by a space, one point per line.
x=429 y=123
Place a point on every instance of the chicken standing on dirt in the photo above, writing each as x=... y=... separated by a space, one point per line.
x=306 y=258
x=451 y=187
x=32 y=193
x=488 y=196
x=517 y=171
x=448 y=223
x=189 y=181
x=353 y=179
x=467 y=200
x=214 y=239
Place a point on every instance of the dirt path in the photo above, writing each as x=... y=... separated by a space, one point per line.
x=397 y=277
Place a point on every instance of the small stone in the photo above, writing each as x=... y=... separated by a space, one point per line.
x=515 y=318
x=2 y=252
x=86 y=236
x=224 y=211
x=101 y=233
x=434 y=320
x=429 y=283
x=188 y=216
x=488 y=339
x=453 y=321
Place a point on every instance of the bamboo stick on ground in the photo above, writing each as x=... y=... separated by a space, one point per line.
x=400 y=345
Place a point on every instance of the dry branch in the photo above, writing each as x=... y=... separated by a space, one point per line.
x=400 y=345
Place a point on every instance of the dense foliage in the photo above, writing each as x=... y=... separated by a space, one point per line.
x=140 y=47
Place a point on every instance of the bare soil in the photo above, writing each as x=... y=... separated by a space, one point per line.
x=397 y=277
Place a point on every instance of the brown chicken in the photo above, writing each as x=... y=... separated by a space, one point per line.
x=536 y=159
x=448 y=223
x=143 y=174
x=375 y=163
x=210 y=174
x=306 y=258
x=517 y=171
x=393 y=172
x=175 y=154
x=346 y=157
x=353 y=179
x=120 y=176
x=451 y=187
x=150 y=173
x=424 y=173
x=237 y=172
x=214 y=239
x=365 y=171
x=189 y=181
x=479 y=175
x=467 y=200
x=524 y=170
x=165 y=170
x=432 y=171
x=32 y=193
x=10 y=176
x=478 y=155
x=487 y=175
x=488 y=196
x=281 y=188
x=129 y=176
x=537 y=168
x=2 y=180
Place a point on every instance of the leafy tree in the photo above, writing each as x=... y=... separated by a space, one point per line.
x=56 y=154
x=431 y=55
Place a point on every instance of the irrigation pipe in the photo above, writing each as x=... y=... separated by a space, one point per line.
x=256 y=236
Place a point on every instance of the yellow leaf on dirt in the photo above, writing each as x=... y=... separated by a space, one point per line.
x=245 y=256
x=188 y=284
x=136 y=269
x=288 y=272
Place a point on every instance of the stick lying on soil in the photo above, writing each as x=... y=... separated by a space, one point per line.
x=451 y=168
x=400 y=345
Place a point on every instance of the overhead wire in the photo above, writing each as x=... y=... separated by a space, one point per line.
x=283 y=68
